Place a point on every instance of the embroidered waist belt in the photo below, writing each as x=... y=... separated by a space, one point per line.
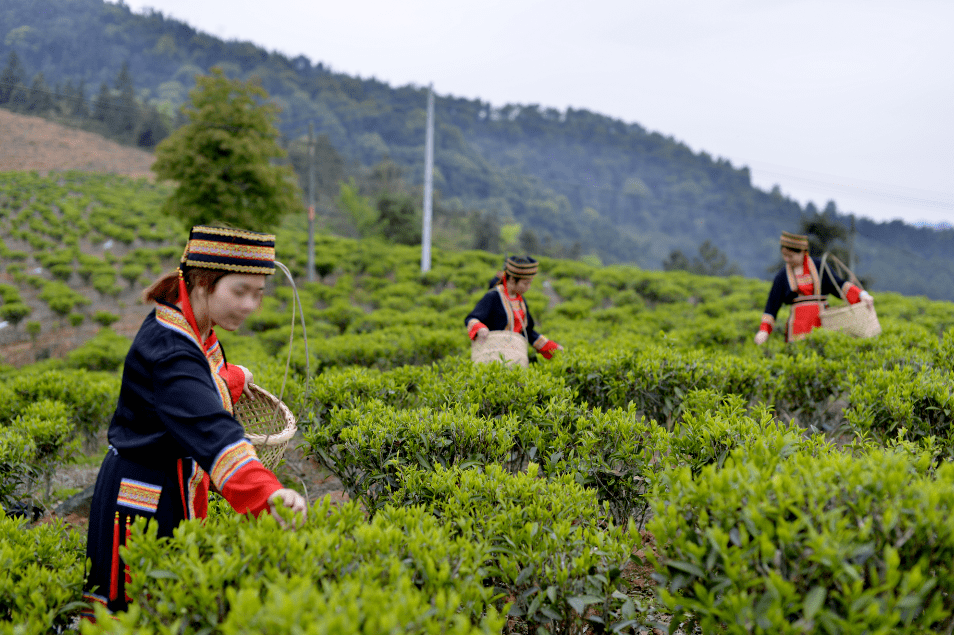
x=810 y=298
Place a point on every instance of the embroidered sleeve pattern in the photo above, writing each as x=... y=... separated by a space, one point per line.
x=242 y=479
x=473 y=326
x=230 y=460
x=768 y=323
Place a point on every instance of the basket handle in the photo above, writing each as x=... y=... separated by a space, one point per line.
x=291 y=334
x=843 y=268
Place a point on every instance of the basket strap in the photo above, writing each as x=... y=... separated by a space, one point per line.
x=826 y=267
x=291 y=335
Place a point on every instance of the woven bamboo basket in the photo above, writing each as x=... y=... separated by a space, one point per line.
x=501 y=346
x=269 y=424
x=854 y=319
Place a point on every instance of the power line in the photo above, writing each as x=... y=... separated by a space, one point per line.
x=894 y=193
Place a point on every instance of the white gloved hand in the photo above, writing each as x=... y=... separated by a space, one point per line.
x=482 y=335
x=761 y=337
x=291 y=499
x=867 y=298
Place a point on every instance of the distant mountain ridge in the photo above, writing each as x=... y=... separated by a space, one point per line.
x=577 y=179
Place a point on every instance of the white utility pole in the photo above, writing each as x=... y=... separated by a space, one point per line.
x=428 y=183
x=311 y=203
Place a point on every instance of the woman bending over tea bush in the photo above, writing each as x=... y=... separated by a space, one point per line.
x=173 y=434
x=800 y=284
x=504 y=309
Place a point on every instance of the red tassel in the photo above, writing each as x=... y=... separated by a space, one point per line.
x=182 y=490
x=126 y=575
x=114 y=572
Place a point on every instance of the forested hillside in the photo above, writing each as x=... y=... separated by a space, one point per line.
x=577 y=183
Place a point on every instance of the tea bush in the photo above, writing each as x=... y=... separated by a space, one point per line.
x=780 y=540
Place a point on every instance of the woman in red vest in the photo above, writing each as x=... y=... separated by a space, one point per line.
x=801 y=284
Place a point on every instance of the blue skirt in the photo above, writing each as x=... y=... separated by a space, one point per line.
x=163 y=492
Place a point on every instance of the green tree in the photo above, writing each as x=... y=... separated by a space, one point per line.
x=485 y=228
x=364 y=215
x=711 y=261
x=39 y=99
x=103 y=105
x=125 y=109
x=400 y=220
x=676 y=261
x=12 y=77
x=825 y=233
x=152 y=128
x=222 y=159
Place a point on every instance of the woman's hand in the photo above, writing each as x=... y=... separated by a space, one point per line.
x=867 y=298
x=481 y=335
x=761 y=337
x=291 y=499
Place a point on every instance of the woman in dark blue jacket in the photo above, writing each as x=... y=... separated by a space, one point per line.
x=504 y=309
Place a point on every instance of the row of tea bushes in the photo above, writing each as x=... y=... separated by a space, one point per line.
x=784 y=538
x=758 y=528
x=44 y=417
x=459 y=550
x=714 y=436
x=807 y=382
x=42 y=581
x=69 y=205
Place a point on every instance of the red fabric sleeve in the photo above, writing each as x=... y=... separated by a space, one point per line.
x=248 y=490
x=765 y=326
x=235 y=378
x=242 y=479
x=476 y=326
x=547 y=349
x=852 y=295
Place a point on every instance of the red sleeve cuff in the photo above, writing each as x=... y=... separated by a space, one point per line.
x=547 y=349
x=249 y=489
x=235 y=378
x=474 y=327
x=853 y=295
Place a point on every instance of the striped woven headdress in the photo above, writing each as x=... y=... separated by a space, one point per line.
x=795 y=242
x=521 y=267
x=230 y=249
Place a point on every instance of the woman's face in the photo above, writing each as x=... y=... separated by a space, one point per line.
x=522 y=285
x=791 y=257
x=234 y=298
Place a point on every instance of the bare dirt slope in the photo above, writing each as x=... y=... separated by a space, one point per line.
x=32 y=143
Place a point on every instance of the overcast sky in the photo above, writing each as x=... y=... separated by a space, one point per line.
x=844 y=100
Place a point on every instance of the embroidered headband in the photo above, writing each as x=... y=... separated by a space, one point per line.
x=795 y=242
x=230 y=249
x=521 y=267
